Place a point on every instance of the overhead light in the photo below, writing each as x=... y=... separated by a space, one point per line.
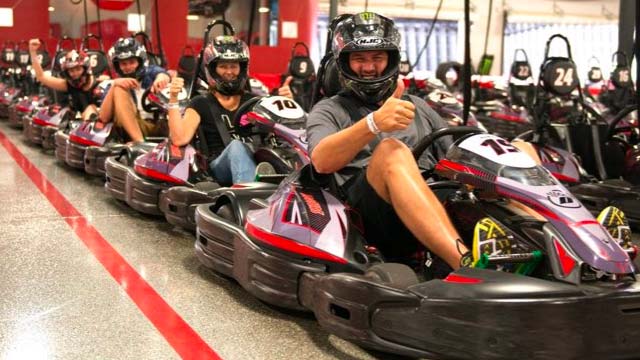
x=6 y=17
x=263 y=9
x=51 y=8
x=134 y=21
x=193 y=17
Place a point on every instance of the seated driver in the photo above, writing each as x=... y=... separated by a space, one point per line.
x=121 y=104
x=225 y=64
x=365 y=135
x=77 y=80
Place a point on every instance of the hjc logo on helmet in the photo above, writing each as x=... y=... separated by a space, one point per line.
x=369 y=41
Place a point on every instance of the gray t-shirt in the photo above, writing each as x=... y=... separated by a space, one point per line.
x=333 y=114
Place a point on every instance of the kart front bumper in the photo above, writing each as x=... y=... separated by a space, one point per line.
x=61 y=139
x=178 y=204
x=96 y=156
x=116 y=177
x=473 y=314
x=143 y=195
x=15 y=117
x=34 y=132
x=49 y=137
x=75 y=155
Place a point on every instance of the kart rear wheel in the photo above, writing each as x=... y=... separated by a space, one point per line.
x=396 y=275
x=226 y=212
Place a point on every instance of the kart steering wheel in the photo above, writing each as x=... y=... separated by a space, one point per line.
x=148 y=106
x=429 y=139
x=613 y=129
x=244 y=130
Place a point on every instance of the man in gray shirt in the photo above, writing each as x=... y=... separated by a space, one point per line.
x=365 y=134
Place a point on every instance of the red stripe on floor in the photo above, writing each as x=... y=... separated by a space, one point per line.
x=184 y=340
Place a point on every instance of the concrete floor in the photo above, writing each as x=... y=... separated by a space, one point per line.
x=58 y=301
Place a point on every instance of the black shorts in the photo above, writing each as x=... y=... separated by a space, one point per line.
x=382 y=226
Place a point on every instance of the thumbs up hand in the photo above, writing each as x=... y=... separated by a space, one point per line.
x=285 y=89
x=395 y=114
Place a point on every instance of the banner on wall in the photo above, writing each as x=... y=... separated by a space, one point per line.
x=113 y=5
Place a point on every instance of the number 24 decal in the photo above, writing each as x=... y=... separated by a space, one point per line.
x=500 y=146
x=565 y=77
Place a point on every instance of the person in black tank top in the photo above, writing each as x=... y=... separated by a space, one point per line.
x=209 y=117
x=77 y=80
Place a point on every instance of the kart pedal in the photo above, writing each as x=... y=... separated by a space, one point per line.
x=614 y=220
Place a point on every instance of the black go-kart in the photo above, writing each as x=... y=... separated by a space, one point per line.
x=302 y=249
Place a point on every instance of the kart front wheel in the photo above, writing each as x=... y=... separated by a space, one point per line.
x=395 y=275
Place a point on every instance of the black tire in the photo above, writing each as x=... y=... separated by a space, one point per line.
x=226 y=212
x=395 y=275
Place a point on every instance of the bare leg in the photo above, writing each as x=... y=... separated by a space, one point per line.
x=528 y=149
x=394 y=175
x=88 y=111
x=125 y=113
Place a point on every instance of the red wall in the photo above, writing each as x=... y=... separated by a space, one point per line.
x=274 y=59
x=30 y=20
x=173 y=27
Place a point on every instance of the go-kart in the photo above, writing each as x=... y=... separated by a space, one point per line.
x=89 y=145
x=45 y=122
x=302 y=249
x=503 y=115
x=31 y=95
x=281 y=124
x=148 y=176
x=24 y=111
x=43 y=130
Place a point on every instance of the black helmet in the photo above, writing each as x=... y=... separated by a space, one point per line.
x=73 y=59
x=126 y=48
x=226 y=48
x=367 y=31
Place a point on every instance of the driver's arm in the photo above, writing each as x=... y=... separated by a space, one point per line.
x=160 y=82
x=181 y=128
x=335 y=151
x=46 y=80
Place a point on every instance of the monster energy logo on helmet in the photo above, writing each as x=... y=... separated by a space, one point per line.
x=367 y=16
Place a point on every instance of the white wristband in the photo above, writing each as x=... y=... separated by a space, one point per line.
x=372 y=124
x=173 y=106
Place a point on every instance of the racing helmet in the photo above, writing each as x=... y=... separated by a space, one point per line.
x=226 y=48
x=367 y=31
x=126 y=48
x=73 y=59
